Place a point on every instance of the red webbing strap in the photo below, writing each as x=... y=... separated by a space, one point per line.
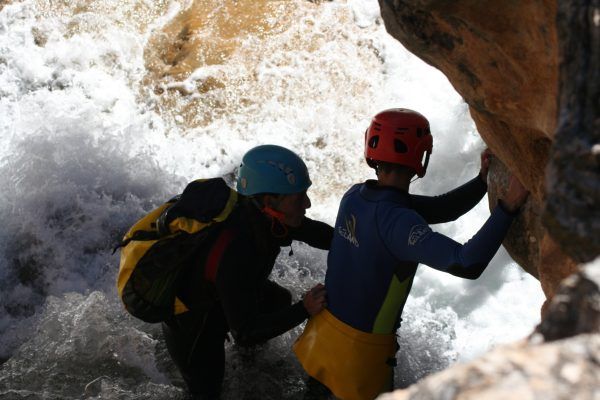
x=216 y=253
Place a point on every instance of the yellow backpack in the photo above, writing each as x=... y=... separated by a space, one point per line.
x=159 y=247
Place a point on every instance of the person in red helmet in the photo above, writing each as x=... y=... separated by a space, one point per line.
x=381 y=235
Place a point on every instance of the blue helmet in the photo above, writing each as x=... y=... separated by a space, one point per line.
x=272 y=169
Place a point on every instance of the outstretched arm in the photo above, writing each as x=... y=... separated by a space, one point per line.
x=450 y=206
x=413 y=240
x=416 y=242
x=314 y=233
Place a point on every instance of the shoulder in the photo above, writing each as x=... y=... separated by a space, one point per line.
x=391 y=208
x=354 y=189
x=392 y=213
x=398 y=221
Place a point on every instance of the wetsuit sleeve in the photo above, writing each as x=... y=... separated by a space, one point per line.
x=314 y=233
x=239 y=290
x=450 y=206
x=409 y=238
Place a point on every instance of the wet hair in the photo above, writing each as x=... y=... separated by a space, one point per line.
x=387 y=167
x=259 y=198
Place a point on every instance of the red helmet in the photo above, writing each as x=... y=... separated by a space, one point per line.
x=399 y=136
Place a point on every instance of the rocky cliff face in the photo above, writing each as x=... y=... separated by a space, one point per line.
x=561 y=370
x=523 y=76
x=572 y=211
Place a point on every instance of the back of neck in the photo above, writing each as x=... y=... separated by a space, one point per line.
x=399 y=181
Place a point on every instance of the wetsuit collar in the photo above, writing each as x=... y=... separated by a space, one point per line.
x=371 y=191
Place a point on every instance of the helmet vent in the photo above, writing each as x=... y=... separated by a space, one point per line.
x=373 y=142
x=401 y=130
x=400 y=146
x=376 y=126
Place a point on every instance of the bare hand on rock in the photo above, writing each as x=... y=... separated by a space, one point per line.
x=486 y=158
x=315 y=299
x=516 y=195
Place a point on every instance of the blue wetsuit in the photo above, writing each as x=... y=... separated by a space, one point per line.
x=382 y=234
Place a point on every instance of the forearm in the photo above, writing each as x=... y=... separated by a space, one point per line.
x=314 y=233
x=450 y=206
x=475 y=255
x=263 y=327
x=438 y=251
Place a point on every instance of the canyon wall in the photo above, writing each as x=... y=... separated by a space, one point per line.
x=560 y=360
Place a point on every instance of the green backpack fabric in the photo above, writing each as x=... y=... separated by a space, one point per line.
x=159 y=247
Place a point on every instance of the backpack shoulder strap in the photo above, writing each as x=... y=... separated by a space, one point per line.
x=216 y=253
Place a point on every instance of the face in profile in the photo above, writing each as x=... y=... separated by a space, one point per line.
x=293 y=207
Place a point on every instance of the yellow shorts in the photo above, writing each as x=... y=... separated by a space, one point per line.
x=353 y=364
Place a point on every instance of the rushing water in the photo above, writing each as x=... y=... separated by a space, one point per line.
x=107 y=108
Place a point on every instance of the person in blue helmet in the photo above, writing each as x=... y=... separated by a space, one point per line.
x=272 y=183
x=381 y=235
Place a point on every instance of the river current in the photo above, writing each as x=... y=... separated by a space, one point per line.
x=108 y=108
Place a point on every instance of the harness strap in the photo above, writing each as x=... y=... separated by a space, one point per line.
x=138 y=236
x=216 y=253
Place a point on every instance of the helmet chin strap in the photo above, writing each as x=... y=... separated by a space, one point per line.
x=273 y=213
x=276 y=216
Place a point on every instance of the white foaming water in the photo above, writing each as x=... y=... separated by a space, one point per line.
x=84 y=153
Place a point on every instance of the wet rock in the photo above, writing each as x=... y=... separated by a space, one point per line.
x=527 y=241
x=39 y=37
x=502 y=57
x=575 y=308
x=4 y=3
x=572 y=214
x=563 y=369
x=560 y=360
x=522 y=241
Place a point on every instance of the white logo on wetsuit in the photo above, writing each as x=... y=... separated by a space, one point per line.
x=350 y=232
x=417 y=232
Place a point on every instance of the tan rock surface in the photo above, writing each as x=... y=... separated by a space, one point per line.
x=502 y=57
x=576 y=307
x=566 y=366
x=565 y=369
x=528 y=242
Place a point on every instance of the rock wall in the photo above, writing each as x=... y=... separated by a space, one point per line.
x=572 y=210
x=576 y=307
x=502 y=57
x=561 y=360
x=511 y=66
x=551 y=371
x=528 y=241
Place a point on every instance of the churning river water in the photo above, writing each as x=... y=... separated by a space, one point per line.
x=107 y=108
